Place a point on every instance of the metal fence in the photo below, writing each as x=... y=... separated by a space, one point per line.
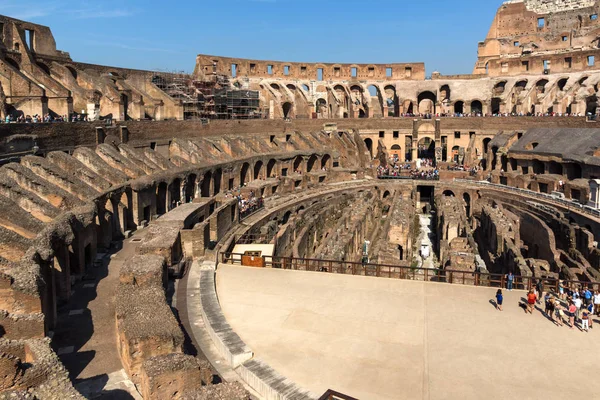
x=471 y=278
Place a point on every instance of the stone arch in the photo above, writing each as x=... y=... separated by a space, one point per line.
x=386 y=194
x=369 y=144
x=407 y=107
x=459 y=107
x=467 y=200
x=244 y=171
x=206 y=182
x=190 y=188
x=500 y=87
x=445 y=94
x=298 y=164
x=161 y=198
x=73 y=71
x=258 y=170
x=448 y=193
x=541 y=85
x=174 y=193
x=555 y=168
x=376 y=102
x=326 y=161
x=12 y=63
x=310 y=164
x=217 y=178
x=562 y=83
x=476 y=107
x=521 y=85
x=426 y=148
x=486 y=143
x=396 y=150
x=455 y=151
x=321 y=108
x=288 y=110
x=427 y=102
x=391 y=101
x=44 y=67
x=271 y=167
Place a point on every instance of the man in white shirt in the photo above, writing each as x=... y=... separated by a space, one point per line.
x=597 y=302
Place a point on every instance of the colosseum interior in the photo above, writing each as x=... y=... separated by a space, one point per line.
x=284 y=230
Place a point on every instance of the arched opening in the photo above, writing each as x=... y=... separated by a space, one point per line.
x=125 y=104
x=396 y=151
x=286 y=217
x=298 y=164
x=369 y=144
x=362 y=113
x=538 y=167
x=391 y=101
x=459 y=107
x=541 y=85
x=244 y=174
x=445 y=94
x=476 y=107
x=321 y=108
x=499 y=87
x=175 y=193
x=275 y=86
x=325 y=161
x=448 y=193
x=287 y=110
x=555 y=168
x=521 y=85
x=311 y=163
x=217 y=181
x=12 y=63
x=573 y=171
x=258 y=170
x=496 y=105
x=455 y=151
x=161 y=198
x=591 y=105
x=73 y=72
x=562 y=83
x=467 y=200
x=426 y=148
x=531 y=146
x=376 y=102
x=190 y=188
x=486 y=143
x=270 y=167
x=407 y=107
x=427 y=103
x=205 y=188
x=386 y=194
x=306 y=88
x=494 y=156
x=44 y=67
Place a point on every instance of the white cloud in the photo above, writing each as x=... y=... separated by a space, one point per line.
x=33 y=9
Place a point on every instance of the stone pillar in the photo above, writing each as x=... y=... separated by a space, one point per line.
x=594 y=193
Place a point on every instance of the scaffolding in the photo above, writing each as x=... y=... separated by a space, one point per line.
x=212 y=98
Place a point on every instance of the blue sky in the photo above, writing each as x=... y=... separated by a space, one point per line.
x=167 y=35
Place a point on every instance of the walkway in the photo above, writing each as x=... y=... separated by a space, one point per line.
x=85 y=339
x=376 y=338
x=425 y=239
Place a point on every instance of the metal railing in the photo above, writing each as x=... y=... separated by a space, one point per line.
x=471 y=278
x=252 y=209
x=547 y=197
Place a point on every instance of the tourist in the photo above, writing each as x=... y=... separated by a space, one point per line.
x=597 y=302
x=560 y=313
x=585 y=316
x=547 y=303
x=572 y=311
x=499 y=299
x=550 y=308
x=587 y=295
x=531 y=299
x=509 y=281
x=578 y=303
x=590 y=309
x=561 y=290
x=539 y=286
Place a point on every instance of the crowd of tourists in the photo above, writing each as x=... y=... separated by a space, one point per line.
x=47 y=118
x=480 y=114
x=424 y=170
x=573 y=306
x=249 y=204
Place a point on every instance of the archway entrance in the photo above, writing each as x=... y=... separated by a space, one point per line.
x=427 y=103
x=426 y=148
x=287 y=110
